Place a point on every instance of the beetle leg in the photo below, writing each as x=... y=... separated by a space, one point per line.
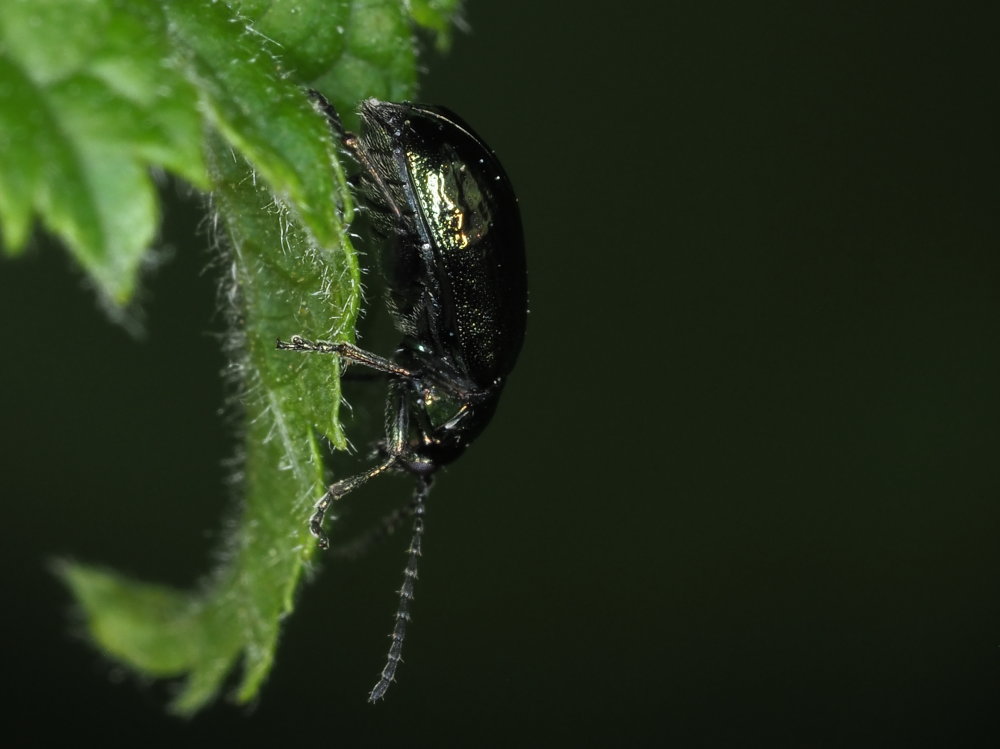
x=397 y=428
x=348 y=351
x=331 y=115
x=336 y=491
x=350 y=142
x=417 y=509
x=422 y=422
x=348 y=139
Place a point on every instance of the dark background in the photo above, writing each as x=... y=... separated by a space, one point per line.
x=743 y=486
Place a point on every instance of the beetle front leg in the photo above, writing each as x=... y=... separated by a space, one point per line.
x=350 y=142
x=347 y=138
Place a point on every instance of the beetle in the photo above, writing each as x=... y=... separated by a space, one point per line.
x=457 y=293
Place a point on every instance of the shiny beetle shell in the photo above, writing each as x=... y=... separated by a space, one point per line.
x=458 y=276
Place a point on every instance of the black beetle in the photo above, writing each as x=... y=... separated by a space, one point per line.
x=457 y=292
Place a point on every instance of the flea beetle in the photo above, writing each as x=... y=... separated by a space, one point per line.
x=457 y=293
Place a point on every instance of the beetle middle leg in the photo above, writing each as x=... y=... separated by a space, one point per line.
x=347 y=350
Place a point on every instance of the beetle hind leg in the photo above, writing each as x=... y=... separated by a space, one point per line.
x=396 y=455
x=336 y=491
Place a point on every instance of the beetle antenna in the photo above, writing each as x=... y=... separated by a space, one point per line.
x=405 y=593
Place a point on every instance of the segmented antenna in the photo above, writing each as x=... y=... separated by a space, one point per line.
x=405 y=593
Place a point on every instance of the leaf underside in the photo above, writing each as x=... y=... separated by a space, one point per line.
x=95 y=93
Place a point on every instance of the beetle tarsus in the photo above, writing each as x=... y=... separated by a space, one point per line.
x=316 y=520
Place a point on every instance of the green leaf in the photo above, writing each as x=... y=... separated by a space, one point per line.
x=436 y=15
x=261 y=112
x=378 y=58
x=285 y=206
x=90 y=97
